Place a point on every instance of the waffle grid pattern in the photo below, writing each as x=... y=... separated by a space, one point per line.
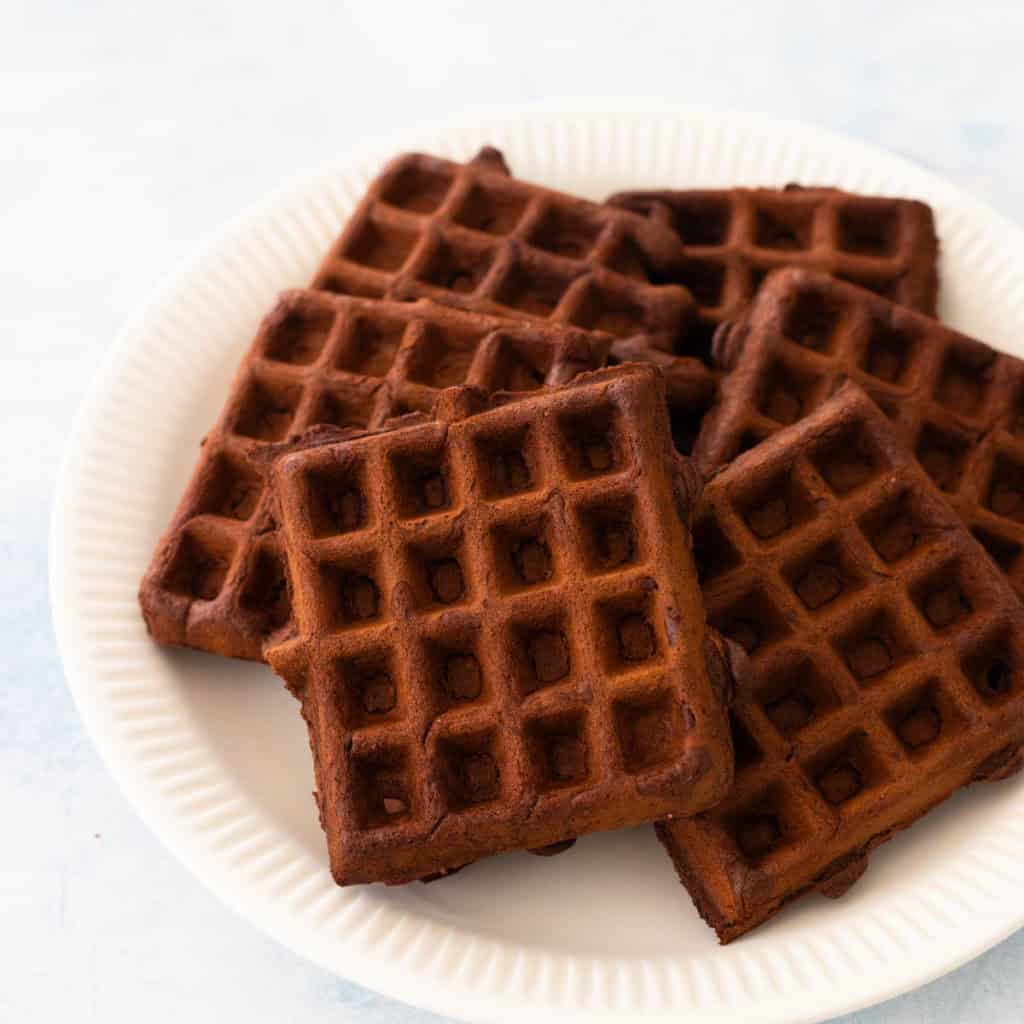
x=956 y=403
x=471 y=236
x=216 y=580
x=886 y=659
x=734 y=238
x=500 y=637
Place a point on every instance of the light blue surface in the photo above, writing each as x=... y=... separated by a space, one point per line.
x=127 y=140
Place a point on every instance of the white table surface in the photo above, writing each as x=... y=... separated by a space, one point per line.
x=127 y=137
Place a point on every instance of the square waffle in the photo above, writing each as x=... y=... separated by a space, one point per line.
x=216 y=580
x=500 y=641
x=470 y=235
x=735 y=237
x=956 y=403
x=886 y=661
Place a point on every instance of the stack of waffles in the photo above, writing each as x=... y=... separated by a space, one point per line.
x=558 y=516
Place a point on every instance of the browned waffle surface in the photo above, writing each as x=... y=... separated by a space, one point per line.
x=216 y=580
x=691 y=388
x=469 y=235
x=735 y=237
x=500 y=637
x=956 y=403
x=886 y=660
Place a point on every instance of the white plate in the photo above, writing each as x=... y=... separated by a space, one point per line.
x=214 y=754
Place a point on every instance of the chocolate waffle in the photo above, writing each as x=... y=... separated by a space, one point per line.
x=956 y=403
x=500 y=641
x=471 y=236
x=691 y=388
x=886 y=661
x=216 y=580
x=735 y=237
